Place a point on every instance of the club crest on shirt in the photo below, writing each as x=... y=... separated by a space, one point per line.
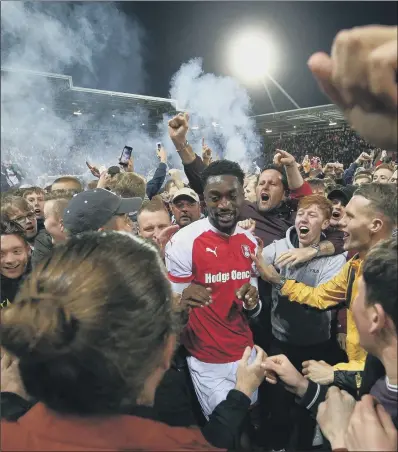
x=246 y=250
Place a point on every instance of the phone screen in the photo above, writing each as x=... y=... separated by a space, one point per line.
x=126 y=155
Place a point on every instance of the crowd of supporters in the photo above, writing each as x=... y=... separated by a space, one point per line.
x=238 y=311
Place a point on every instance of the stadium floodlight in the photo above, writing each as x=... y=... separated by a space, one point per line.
x=268 y=130
x=331 y=123
x=252 y=56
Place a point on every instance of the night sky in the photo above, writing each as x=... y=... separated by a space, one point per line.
x=178 y=31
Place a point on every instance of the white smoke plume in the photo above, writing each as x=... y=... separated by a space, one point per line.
x=99 y=45
x=219 y=112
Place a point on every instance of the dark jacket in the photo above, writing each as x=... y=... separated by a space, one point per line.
x=349 y=173
x=43 y=247
x=155 y=184
x=356 y=383
x=193 y=171
x=10 y=287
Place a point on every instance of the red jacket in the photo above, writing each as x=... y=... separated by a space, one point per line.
x=43 y=430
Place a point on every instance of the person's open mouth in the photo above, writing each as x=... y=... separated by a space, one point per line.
x=38 y=212
x=185 y=218
x=346 y=236
x=336 y=214
x=303 y=230
x=265 y=197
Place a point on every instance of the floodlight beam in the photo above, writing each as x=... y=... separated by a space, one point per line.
x=285 y=93
x=269 y=94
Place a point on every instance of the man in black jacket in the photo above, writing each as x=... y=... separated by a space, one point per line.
x=14 y=261
x=375 y=314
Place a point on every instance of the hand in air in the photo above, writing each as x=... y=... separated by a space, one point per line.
x=104 y=180
x=94 y=170
x=161 y=154
x=206 y=153
x=359 y=76
x=178 y=129
x=283 y=158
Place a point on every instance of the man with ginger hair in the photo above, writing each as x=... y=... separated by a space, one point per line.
x=298 y=332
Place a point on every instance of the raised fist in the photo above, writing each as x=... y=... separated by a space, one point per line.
x=283 y=158
x=178 y=129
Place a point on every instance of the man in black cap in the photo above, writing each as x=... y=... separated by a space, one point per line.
x=97 y=210
x=340 y=197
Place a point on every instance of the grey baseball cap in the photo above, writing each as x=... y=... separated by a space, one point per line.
x=92 y=209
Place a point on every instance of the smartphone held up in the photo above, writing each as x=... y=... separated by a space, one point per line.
x=125 y=156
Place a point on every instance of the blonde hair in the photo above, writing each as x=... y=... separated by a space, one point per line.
x=130 y=185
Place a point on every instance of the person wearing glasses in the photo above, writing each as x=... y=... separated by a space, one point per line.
x=17 y=209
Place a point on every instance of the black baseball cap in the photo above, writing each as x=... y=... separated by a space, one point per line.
x=343 y=193
x=91 y=209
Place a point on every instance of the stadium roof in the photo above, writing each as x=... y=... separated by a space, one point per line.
x=299 y=120
x=70 y=98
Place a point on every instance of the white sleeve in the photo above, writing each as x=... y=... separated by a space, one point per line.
x=178 y=259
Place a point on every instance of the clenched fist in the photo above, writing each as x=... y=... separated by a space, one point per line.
x=248 y=225
x=178 y=129
x=283 y=158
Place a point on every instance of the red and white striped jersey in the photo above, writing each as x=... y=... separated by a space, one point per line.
x=201 y=254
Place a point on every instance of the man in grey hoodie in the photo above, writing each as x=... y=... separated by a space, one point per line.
x=299 y=332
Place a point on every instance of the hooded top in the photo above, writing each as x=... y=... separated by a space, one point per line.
x=291 y=322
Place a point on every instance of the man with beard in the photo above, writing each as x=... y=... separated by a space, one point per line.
x=14 y=261
x=213 y=255
x=19 y=210
x=185 y=207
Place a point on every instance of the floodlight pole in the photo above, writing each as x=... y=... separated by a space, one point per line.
x=281 y=90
